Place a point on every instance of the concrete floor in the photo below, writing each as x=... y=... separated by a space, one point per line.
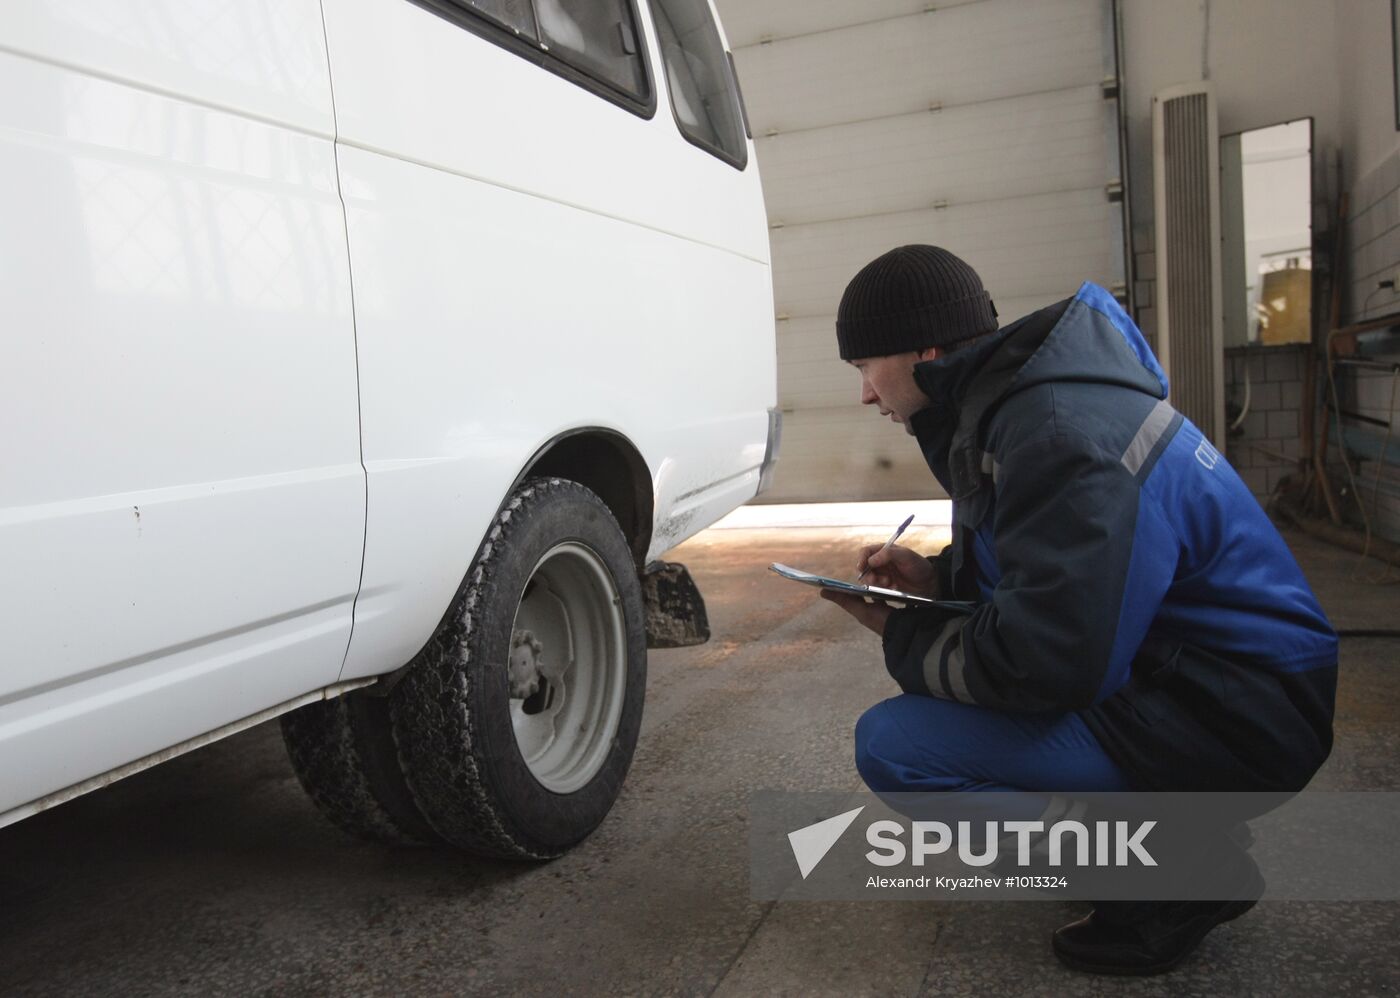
x=213 y=875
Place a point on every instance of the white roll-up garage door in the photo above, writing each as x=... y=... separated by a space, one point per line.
x=989 y=127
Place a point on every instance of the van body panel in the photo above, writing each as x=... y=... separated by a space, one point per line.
x=182 y=519
x=498 y=253
x=469 y=366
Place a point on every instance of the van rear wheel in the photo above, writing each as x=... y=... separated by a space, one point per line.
x=516 y=725
x=344 y=757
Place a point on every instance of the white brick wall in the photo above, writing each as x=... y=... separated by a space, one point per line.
x=1266 y=446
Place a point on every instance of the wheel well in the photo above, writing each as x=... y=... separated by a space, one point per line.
x=608 y=464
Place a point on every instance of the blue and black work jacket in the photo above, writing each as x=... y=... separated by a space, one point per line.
x=1120 y=566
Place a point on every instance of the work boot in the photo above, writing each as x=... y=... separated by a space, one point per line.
x=1139 y=938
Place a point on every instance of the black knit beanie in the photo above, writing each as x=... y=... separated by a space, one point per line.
x=911 y=298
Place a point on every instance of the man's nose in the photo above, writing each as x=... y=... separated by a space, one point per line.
x=867 y=394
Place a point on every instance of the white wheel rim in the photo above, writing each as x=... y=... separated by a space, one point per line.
x=572 y=611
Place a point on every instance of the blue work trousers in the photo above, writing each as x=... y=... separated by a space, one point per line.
x=915 y=743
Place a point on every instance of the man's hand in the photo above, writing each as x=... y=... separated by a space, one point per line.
x=898 y=568
x=872 y=615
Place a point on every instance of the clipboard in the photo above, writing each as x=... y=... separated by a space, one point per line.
x=870 y=592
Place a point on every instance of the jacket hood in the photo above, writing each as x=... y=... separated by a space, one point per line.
x=1094 y=341
x=1087 y=338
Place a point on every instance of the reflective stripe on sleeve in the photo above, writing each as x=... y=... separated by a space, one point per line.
x=1151 y=430
x=943 y=665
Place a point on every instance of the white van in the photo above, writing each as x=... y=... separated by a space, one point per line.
x=367 y=345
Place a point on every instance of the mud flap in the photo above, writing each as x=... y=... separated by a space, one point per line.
x=676 y=616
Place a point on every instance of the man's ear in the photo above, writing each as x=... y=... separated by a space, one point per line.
x=930 y=353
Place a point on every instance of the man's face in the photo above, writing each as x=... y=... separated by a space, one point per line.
x=888 y=382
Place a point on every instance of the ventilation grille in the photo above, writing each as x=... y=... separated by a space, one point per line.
x=1188 y=257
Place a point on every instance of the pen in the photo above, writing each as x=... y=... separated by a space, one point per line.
x=893 y=537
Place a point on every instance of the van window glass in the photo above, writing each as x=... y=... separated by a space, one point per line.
x=518 y=15
x=703 y=93
x=597 y=36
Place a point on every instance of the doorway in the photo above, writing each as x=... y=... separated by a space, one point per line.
x=1266 y=234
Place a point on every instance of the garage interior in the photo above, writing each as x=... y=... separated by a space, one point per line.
x=1020 y=135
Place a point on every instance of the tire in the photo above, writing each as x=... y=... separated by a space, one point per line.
x=516 y=724
x=343 y=754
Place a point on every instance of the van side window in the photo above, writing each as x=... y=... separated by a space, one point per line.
x=597 y=36
x=594 y=43
x=704 y=93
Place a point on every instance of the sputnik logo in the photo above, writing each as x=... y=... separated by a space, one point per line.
x=930 y=838
x=811 y=844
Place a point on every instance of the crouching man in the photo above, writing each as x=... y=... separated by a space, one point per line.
x=1140 y=625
